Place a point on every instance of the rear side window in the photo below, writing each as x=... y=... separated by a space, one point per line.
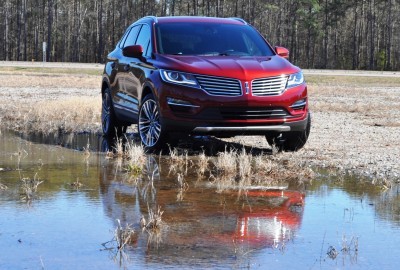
x=130 y=39
x=144 y=39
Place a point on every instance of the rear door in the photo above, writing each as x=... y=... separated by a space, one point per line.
x=125 y=105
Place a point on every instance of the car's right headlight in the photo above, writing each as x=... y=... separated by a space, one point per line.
x=177 y=77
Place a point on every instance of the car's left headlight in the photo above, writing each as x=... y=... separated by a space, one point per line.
x=177 y=77
x=295 y=80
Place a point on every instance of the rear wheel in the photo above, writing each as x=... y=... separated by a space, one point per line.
x=152 y=132
x=290 y=141
x=109 y=122
x=108 y=119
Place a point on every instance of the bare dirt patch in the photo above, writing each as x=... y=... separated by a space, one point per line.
x=356 y=118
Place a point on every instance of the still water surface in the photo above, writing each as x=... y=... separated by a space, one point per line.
x=322 y=225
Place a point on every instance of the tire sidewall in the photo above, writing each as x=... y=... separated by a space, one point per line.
x=161 y=139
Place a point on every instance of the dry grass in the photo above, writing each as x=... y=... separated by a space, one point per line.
x=123 y=235
x=154 y=221
x=35 y=101
x=48 y=78
x=243 y=170
x=179 y=160
x=70 y=115
x=136 y=154
x=153 y=226
x=366 y=102
x=119 y=151
x=3 y=187
x=226 y=162
x=182 y=187
x=77 y=184
x=29 y=187
x=202 y=163
x=136 y=158
x=349 y=248
x=244 y=162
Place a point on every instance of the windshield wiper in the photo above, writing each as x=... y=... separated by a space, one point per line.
x=226 y=53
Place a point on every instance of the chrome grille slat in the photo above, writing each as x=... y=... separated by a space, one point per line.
x=253 y=113
x=219 y=86
x=272 y=86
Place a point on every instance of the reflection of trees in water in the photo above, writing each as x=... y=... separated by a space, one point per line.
x=387 y=205
x=386 y=202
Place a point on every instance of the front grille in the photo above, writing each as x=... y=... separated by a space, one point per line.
x=218 y=86
x=272 y=86
x=253 y=113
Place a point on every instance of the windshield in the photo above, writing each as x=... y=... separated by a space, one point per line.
x=210 y=39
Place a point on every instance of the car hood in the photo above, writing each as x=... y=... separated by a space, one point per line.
x=241 y=67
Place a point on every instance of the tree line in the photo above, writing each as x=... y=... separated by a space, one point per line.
x=334 y=34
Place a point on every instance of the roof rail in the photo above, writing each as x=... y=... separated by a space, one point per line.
x=238 y=19
x=152 y=17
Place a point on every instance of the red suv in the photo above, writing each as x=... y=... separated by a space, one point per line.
x=200 y=75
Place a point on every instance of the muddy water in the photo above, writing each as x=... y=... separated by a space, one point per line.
x=327 y=224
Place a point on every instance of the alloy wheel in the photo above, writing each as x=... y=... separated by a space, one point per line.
x=149 y=123
x=106 y=113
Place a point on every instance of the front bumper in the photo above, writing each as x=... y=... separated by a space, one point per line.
x=185 y=109
x=230 y=129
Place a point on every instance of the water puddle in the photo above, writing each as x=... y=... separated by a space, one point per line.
x=70 y=221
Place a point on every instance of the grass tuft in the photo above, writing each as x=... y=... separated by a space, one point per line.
x=182 y=187
x=153 y=226
x=123 y=235
x=29 y=187
x=136 y=158
x=3 y=187
x=154 y=221
x=226 y=162
x=178 y=161
x=202 y=163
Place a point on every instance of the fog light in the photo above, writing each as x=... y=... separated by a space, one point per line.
x=299 y=105
x=179 y=102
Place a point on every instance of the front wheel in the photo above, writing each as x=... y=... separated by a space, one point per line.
x=152 y=132
x=290 y=141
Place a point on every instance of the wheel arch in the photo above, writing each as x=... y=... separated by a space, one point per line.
x=148 y=88
x=104 y=85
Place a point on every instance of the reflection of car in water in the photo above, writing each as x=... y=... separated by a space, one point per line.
x=204 y=223
x=270 y=226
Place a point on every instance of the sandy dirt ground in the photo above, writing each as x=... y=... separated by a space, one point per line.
x=355 y=114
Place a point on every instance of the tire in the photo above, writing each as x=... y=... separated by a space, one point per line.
x=109 y=121
x=151 y=130
x=290 y=141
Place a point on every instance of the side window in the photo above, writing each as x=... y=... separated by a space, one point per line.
x=122 y=40
x=131 y=37
x=144 y=40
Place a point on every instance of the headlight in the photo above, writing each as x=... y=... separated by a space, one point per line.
x=178 y=78
x=295 y=80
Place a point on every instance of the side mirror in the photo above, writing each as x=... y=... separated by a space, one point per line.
x=135 y=51
x=282 y=52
